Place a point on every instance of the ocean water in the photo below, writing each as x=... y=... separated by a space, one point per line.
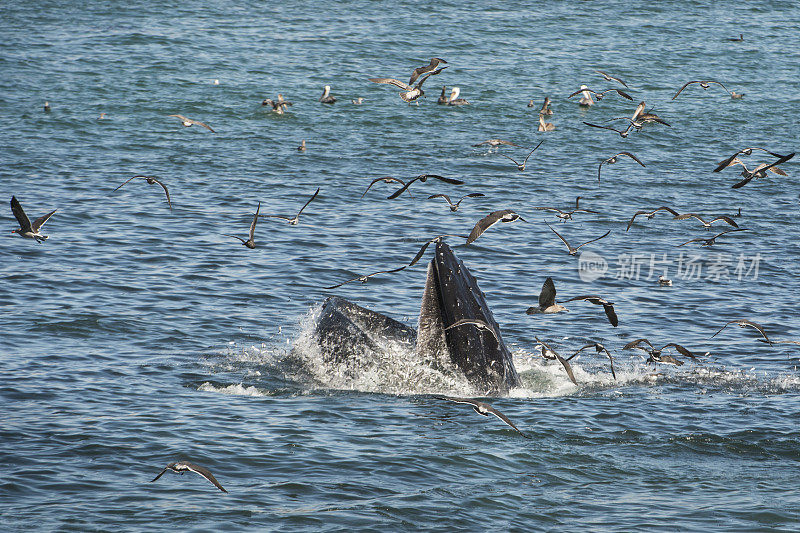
x=139 y=335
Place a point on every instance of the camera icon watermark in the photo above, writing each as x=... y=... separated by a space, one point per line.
x=591 y=266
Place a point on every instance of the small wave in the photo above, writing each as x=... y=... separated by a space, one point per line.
x=234 y=390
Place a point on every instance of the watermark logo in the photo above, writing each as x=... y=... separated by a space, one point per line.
x=717 y=267
x=591 y=266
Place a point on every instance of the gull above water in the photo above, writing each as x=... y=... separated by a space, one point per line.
x=550 y=353
x=504 y=215
x=650 y=214
x=599 y=95
x=250 y=242
x=387 y=179
x=423 y=178
x=608 y=307
x=494 y=143
x=573 y=250
x=705 y=85
x=598 y=348
x=655 y=353
x=521 y=166
x=484 y=409
x=454 y=206
x=409 y=93
x=295 y=219
x=743 y=323
x=759 y=172
x=27 y=228
x=707 y=225
x=183 y=466
x=609 y=77
x=712 y=240
x=419 y=71
x=150 y=181
x=613 y=159
x=547 y=300
x=189 y=122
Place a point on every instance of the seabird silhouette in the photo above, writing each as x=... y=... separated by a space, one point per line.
x=183 y=466
x=27 y=228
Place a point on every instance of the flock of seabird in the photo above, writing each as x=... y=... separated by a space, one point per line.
x=411 y=92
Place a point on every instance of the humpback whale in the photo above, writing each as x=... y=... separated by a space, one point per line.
x=345 y=330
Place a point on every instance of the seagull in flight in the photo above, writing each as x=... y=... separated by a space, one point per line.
x=704 y=85
x=746 y=151
x=622 y=133
x=387 y=179
x=183 y=466
x=150 y=181
x=521 y=167
x=609 y=77
x=598 y=348
x=409 y=93
x=650 y=214
x=613 y=159
x=484 y=409
x=494 y=143
x=743 y=324
x=554 y=355
x=573 y=251
x=504 y=215
x=601 y=94
x=655 y=355
x=712 y=240
x=608 y=307
x=423 y=178
x=293 y=221
x=707 y=225
x=547 y=300
x=189 y=122
x=26 y=227
x=454 y=206
x=250 y=242
x=417 y=72
x=760 y=171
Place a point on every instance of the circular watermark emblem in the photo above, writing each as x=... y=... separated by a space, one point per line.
x=591 y=266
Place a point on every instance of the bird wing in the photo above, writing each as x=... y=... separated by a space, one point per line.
x=428 y=75
x=505 y=419
x=401 y=189
x=159 y=475
x=559 y=236
x=179 y=116
x=548 y=295
x=601 y=127
x=386 y=179
x=665 y=208
x=728 y=220
x=531 y=152
x=451 y=181
x=684 y=216
x=472 y=195
x=206 y=126
x=579 y=91
x=206 y=474
x=732 y=160
x=759 y=328
x=684 y=86
x=467 y=401
x=392 y=81
x=744 y=182
x=126 y=182
x=512 y=159
x=255 y=219
x=235 y=237
x=723 y=327
x=696 y=239
x=447 y=198
x=680 y=349
x=22 y=218
x=610 y=77
x=482 y=225
x=632 y=157
x=427 y=68
x=623 y=94
x=635 y=344
x=567 y=367
x=169 y=203
x=611 y=314
x=630 y=222
x=309 y=201
x=597 y=239
x=39 y=222
x=718 y=83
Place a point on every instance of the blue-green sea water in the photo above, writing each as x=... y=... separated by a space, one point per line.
x=137 y=335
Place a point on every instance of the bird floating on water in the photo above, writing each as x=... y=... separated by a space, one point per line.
x=663 y=281
x=545 y=110
x=453 y=99
x=27 y=228
x=278 y=106
x=250 y=242
x=484 y=409
x=189 y=122
x=150 y=181
x=182 y=466
x=545 y=126
x=358 y=101
x=302 y=147
x=326 y=97
x=586 y=98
